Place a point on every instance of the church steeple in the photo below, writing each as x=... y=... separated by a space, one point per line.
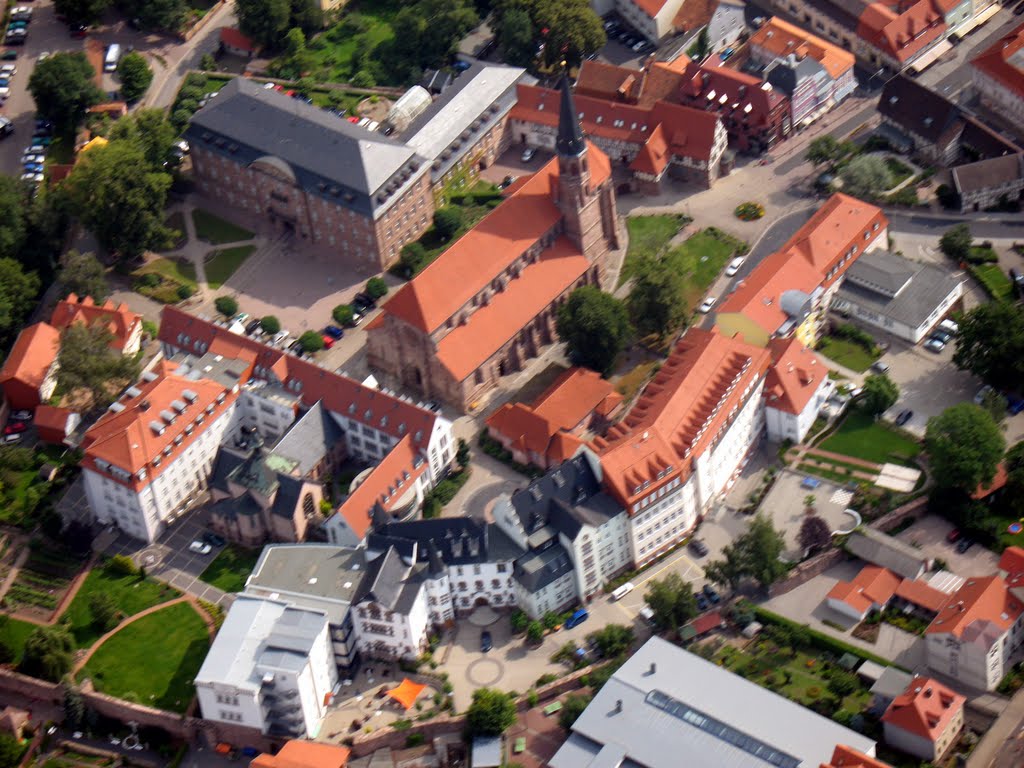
x=570 y=137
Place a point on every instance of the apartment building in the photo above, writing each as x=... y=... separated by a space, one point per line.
x=685 y=438
x=997 y=74
x=925 y=720
x=269 y=668
x=125 y=326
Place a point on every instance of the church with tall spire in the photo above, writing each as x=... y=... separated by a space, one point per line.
x=487 y=305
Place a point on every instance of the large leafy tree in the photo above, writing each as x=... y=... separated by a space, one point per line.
x=964 y=447
x=427 y=32
x=81 y=11
x=879 y=394
x=814 y=533
x=515 y=30
x=990 y=344
x=490 y=712
x=89 y=366
x=568 y=29
x=118 y=195
x=13 y=206
x=594 y=326
x=164 y=15
x=655 y=301
x=135 y=76
x=754 y=554
x=48 y=653
x=956 y=242
x=18 y=290
x=82 y=274
x=63 y=88
x=1015 y=477
x=150 y=130
x=866 y=176
x=265 y=21
x=671 y=601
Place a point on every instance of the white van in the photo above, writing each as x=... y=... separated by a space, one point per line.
x=622 y=591
x=949 y=327
x=112 y=58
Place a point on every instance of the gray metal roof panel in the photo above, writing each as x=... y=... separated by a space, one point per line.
x=317 y=570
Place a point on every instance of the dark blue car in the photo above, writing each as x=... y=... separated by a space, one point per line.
x=334 y=331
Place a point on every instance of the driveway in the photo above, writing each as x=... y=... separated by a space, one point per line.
x=929 y=535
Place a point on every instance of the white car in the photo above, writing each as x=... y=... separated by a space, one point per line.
x=36 y=178
x=35 y=149
x=734 y=266
x=4 y=91
x=43 y=56
x=982 y=394
x=528 y=154
x=199 y=547
x=8 y=70
x=709 y=302
x=32 y=158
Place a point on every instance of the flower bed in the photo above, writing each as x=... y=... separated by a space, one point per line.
x=749 y=211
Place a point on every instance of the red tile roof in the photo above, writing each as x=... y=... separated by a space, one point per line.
x=651 y=7
x=707 y=622
x=759 y=296
x=926 y=709
x=387 y=484
x=872 y=586
x=233 y=38
x=339 y=393
x=795 y=375
x=34 y=351
x=979 y=605
x=679 y=413
x=848 y=757
x=712 y=88
x=694 y=14
x=471 y=263
x=116 y=318
x=995 y=62
x=922 y=594
x=489 y=328
x=605 y=81
x=997 y=482
x=51 y=423
x=781 y=39
x=304 y=754
x=1012 y=561
x=904 y=34
x=126 y=438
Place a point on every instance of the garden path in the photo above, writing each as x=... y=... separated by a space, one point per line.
x=210 y=627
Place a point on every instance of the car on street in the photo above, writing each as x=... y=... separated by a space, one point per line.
x=709 y=302
x=486 y=642
x=34 y=167
x=213 y=539
x=43 y=56
x=903 y=417
x=34 y=149
x=699 y=547
x=702 y=602
x=506 y=182
x=328 y=340
x=21 y=415
x=200 y=547
x=954 y=536
x=726 y=54
x=78 y=31
x=577 y=618
x=935 y=345
x=711 y=594
x=964 y=545
x=252 y=326
x=364 y=302
x=528 y=154
x=8 y=70
x=734 y=266
x=5 y=91
x=9 y=55
x=334 y=331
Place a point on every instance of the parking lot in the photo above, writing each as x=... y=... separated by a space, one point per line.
x=929 y=535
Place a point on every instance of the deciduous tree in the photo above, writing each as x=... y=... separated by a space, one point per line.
x=814 y=534
x=490 y=712
x=265 y=21
x=311 y=341
x=13 y=205
x=990 y=344
x=613 y=639
x=964 y=447
x=18 y=290
x=572 y=708
x=48 y=653
x=162 y=15
x=754 y=554
x=150 y=130
x=103 y=610
x=671 y=601
x=226 y=305
x=866 y=176
x=63 y=88
x=82 y=274
x=88 y=365
x=81 y=11
x=376 y=288
x=956 y=242
x=515 y=31
x=594 y=326
x=823 y=150
x=655 y=300
x=447 y=221
x=270 y=324
x=879 y=394
x=135 y=76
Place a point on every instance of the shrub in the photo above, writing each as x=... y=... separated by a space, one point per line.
x=226 y=305
x=414 y=740
x=519 y=620
x=749 y=211
x=270 y=324
x=311 y=341
x=412 y=258
x=813 y=692
x=546 y=679
x=122 y=565
x=532 y=698
x=184 y=292
x=534 y=632
x=376 y=288
x=343 y=314
x=447 y=221
x=196 y=80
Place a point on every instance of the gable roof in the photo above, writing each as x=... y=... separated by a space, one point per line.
x=116 y=318
x=795 y=375
x=881 y=549
x=925 y=709
x=922 y=594
x=918 y=109
x=848 y=757
x=304 y=754
x=872 y=586
x=721 y=88
x=982 y=610
x=605 y=81
x=234 y=38
x=780 y=38
x=34 y=351
x=760 y=296
x=988 y=173
x=902 y=33
x=1002 y=61
x=1011 y=563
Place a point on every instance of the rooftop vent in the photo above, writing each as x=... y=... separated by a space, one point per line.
x=178 y=406
x=167 y=416
x=157 y=427
x=149 y=376
x=116 y=407
x=133 y=391
x=189 y=395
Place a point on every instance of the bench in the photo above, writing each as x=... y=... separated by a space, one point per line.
x=520 y=745
x=553 y=707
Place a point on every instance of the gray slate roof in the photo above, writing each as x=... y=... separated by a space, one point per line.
x=660 y=704
x=883 y=550
x=985 y=174
x=871 y=279
x=539 y=568
x=309 y=439
x=317 y=146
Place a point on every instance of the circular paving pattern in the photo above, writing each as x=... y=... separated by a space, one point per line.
x=150 y=557
x=484 y=672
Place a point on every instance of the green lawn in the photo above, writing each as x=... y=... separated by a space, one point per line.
x=701 y=259
x=176 y=222
x=220 y=265
x=900 y=171
x=333 y=52
x=846 y=353
x=648 y=238
x=171 y=273
x=995 y=282
x=154 y=660
x=13 y=634
x=216 y=230
x=861 y=437
x=131 y=595
x=231 y=568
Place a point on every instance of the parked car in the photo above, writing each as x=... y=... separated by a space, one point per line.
x=879 y=367
x=213 y=539
x=943 y=336
x=1014 y=403
x=8 y=70
x=365 y=300
x=34 y=167
x=934 y=345
x=709 y=302
x=27 y=159
x=702 y=602
x=577 y=618
x=964 y=545
x=200 y=547
x=486 y=642
x=699 y=547
x=252 y=327
x=528 y=154
x=734 y=266
x=8 y=439
x=979 y=398
x=949 y=326
x=328 y=340
x=21 y=415
x=33 y=177
x=334 y=331
x=8 y=55
x=78 y=30
x=711 y=594
x=14 y=427
x=903 y=417
x=953 y=536
x=506 y=182
x=727 y=54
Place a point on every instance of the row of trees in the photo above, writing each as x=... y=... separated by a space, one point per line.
x=165 y=15
x=559 y=30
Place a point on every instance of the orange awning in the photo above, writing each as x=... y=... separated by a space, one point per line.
x=406 y=693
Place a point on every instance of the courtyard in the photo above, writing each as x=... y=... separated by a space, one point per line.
x=786 y=502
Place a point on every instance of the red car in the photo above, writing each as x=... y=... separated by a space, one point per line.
x=953 y=536
x=15 y=427
x=328 y=341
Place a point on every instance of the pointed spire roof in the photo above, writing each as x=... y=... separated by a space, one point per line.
x=570 y=137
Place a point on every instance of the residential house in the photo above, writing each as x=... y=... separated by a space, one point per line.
x=904 y=298
x=997 y=74
x=789 y=292
x=124 y=325
x=552 y=428
x=654 y=143
x=234 y=42
x=55 y=425
x=870 y=590
x=796 y=388
x=989 y=183
x=848 y=757
x=664 y=702
x=654 y=19
x=487 y=304
x=389 y=608
x=269 y=668
x=925 y=721
x=29 y=374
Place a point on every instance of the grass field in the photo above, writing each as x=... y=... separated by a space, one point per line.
x=231 y=568
x=700 y=259
x=154 y=660
x=899 y=171
x=130 y=593
x=176 y=222
x=221 y=265
x=13 y=634
x=861 y=437
x=334 y=51
x=648 y=238
x=214 y=229
x=846 y=353
x=994 y=280
x=172 y=273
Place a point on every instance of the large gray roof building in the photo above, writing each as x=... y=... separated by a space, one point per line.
x=666 y=707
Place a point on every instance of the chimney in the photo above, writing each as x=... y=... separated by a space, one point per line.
x=654 y=668
x=618 y=706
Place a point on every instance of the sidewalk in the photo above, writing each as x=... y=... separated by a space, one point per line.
x=992 y=743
